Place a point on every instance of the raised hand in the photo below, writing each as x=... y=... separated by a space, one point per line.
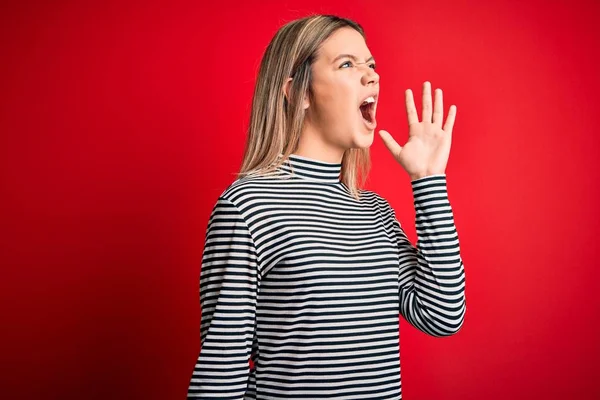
x=428 y=147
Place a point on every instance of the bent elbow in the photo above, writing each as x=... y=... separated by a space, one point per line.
x=455 y=326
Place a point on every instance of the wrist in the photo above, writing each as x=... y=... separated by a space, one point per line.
x=414 y=177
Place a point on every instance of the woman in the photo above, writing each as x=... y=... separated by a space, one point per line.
x=305 y=273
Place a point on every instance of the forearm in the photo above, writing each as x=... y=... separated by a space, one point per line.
x=432 y=277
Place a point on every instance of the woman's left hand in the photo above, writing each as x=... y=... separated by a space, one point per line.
x=428 y=147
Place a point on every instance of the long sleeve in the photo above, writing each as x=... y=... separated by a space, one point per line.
x=431 y=277
x=228 y=294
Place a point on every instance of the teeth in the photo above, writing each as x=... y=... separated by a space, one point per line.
x=369 y=100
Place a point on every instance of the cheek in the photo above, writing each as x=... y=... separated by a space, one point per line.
x=347 y=100
x=341 y=104
x=335 y=101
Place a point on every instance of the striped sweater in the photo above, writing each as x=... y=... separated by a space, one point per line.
x=309 y=283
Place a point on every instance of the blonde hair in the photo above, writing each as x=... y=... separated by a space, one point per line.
x=275 y=120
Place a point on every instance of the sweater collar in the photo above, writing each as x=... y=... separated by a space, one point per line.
x=311 y=169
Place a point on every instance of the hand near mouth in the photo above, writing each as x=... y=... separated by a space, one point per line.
x=428 y=147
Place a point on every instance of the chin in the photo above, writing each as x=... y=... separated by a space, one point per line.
x=363 y=141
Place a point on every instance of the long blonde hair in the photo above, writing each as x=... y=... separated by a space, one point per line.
x=275 y=120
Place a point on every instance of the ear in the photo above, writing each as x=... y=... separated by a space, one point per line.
x=286 y=92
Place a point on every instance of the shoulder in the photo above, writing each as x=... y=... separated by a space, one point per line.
x=232 y=202
x=246 y=188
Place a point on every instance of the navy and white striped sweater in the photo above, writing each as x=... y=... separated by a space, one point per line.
x=309 y=283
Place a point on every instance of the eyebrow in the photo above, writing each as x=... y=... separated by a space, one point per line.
x=352 y=57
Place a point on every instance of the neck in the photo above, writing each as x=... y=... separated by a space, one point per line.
x=312 y=144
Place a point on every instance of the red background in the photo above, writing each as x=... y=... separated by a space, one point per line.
x=120 y=124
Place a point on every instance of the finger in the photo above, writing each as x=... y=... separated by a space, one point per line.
x=390 y=143
x=411 y=110
x=427 y=101
x=450 y=120
x=438 y=108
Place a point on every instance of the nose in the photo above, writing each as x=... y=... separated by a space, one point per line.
x=370 y=76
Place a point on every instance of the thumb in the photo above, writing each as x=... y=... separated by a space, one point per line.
x=390 y=143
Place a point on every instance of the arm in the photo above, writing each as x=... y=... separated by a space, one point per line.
x=228 y=292
x=431 y=278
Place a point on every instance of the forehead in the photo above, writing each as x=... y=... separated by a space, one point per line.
x=344 y=40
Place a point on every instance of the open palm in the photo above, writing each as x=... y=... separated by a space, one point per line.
x=428 y=147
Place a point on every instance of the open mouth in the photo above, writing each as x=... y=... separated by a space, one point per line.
x=367 y=109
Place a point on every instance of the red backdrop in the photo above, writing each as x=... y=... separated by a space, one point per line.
x=121 y=124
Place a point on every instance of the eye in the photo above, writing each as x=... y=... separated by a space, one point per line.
x=372 y=65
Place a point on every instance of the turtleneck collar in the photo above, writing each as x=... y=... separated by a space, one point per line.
x=311 y=169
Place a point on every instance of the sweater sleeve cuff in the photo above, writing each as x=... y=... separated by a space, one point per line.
x=428 y=187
